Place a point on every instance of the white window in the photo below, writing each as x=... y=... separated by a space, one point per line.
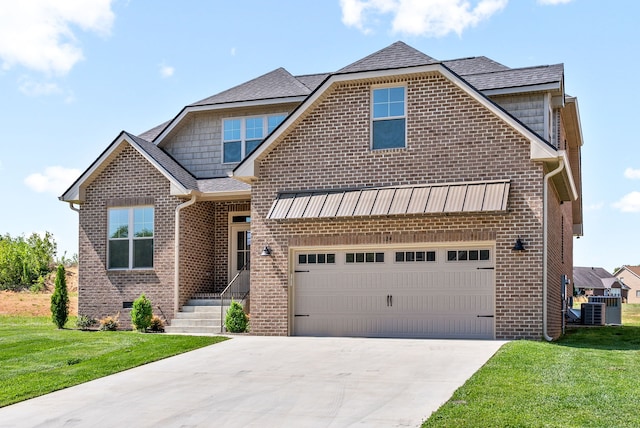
x=388 y=119
x=240 y=136
x=130 y=242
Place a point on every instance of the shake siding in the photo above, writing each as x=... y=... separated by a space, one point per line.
x=197 y=142
x=128 y=177
x=529 y=109
x=450 y=138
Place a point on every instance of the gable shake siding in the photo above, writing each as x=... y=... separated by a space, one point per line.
x=197 y=142
x=450 y=138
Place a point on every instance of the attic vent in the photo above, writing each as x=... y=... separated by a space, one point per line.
x=592 y=313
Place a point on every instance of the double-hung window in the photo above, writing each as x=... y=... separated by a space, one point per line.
x=388 y=127
x=240 y=136
x=130 y=242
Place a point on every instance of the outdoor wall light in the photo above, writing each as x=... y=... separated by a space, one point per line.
x=519 y=246
x=266 y=251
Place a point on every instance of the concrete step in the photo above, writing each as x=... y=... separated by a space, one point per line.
x=203 y=309
x=204 y=302
x=198 y=314
x=192 y=330
x=213 y=322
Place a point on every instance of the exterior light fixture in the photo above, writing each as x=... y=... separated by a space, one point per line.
x=519 y=246
x=266 y=251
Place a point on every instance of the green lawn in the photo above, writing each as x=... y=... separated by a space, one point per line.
x=589 y=378
x=36 y=358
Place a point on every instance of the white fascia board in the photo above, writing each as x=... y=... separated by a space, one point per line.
x=574 y=101
x=540 y=150
x=572 y=184
x=212 y=107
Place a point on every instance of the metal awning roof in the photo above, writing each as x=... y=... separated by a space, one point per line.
x=486 y=196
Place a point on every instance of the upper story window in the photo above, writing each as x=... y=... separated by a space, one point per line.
x=388 y=128
x=240 y=136
x=130 y=240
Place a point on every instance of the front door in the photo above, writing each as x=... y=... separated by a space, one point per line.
x=240 y=244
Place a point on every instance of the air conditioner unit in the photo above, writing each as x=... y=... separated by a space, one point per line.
x=592 y=313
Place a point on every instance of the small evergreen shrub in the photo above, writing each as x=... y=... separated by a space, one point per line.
x=110 y=323
x=141 y=313
x=236 y=320
x=156 y=325
x=60 y=299
x=84 y=322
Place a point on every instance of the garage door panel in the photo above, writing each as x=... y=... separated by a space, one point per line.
x=429 y=299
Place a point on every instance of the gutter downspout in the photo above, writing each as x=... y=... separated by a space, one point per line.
x=176 y=252
x=74 y=208
x=544 y=248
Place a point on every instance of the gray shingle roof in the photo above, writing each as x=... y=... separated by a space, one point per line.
x=222 y=184
x=397 y=55
x=594 y=277
x=516 y=77
x=312 y=81
x=278 y=83
x=474 y=65
x=169 y=164
x=152 y=133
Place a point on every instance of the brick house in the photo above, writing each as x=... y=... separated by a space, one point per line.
x=392 y=198
x=630 y=277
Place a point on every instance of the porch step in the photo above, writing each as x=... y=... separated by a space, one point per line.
x=198 y=316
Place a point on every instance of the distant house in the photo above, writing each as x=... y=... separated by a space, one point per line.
x=400 y=196
x=596 y=281
x=630 y=277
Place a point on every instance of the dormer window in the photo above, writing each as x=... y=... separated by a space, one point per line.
x=240 y=136
x=388 y=118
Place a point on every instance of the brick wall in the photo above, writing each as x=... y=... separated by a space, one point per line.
x=450 y=138
x=126 y=179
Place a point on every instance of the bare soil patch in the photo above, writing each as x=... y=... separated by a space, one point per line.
x=25 y=303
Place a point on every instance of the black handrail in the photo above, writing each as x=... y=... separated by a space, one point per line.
x=238 y=288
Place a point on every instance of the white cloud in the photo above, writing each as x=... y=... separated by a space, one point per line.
x=33 y=88
x=233 y=51
x=594 y=207
x=434 y=18
x=632 y=174
x=166 y=70
x=554 y=2
x=38 y=34
x=55 y=179
x=630 y=203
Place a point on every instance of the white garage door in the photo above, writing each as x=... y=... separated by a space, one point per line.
x=415 y=292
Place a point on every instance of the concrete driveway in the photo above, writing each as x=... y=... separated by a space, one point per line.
x=270 y=382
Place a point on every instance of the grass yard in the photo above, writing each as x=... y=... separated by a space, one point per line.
x=36 y=358
x=588 y=378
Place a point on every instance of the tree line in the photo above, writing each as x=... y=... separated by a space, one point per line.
x=26 y=261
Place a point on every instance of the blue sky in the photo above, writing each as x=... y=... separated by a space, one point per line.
x=74 y=73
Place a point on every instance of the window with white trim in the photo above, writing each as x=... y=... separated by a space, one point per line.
x=388 y=118
x=130 y=240
x=241 y=135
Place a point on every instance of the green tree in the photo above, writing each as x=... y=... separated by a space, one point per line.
x=23 y=261
x=60 y=299
x=141 y=313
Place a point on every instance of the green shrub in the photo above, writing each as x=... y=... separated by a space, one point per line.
x=110 y=323
x=236 y=320
x=156 y=325
x=141 y=313
x=23 y=261
x=84 y=322
x=38 y=286
x=60 y=299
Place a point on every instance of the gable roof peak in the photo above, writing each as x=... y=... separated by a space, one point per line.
x=396 y=55
x=278 y=83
